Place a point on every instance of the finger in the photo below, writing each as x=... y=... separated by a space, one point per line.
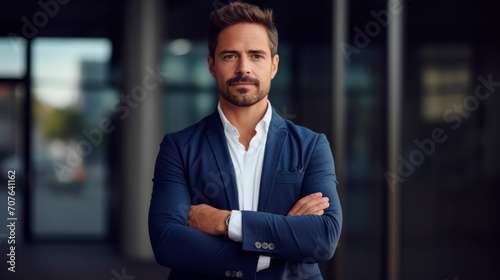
x=315 y=205
x=302 y=203
x=298 y=205
x=297 y=208
x=319 y=213
x=312 y=205
x=320 y=206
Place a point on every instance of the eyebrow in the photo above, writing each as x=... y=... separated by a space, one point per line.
x=237 y=52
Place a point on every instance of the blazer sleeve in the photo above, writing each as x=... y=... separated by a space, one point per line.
x=303 y=238
x=174 y=243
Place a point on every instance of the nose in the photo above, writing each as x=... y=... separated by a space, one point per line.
x=243 y=66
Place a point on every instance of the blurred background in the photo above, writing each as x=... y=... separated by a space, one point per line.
x=406 y=91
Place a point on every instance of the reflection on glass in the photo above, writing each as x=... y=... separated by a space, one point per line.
x=71 y=100
x=58 y=68
x=12 y=57
x=445 y=79
x=190 y=89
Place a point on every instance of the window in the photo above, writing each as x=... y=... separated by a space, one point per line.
x=71 y=97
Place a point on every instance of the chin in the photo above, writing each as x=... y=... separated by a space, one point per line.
x=242 y=101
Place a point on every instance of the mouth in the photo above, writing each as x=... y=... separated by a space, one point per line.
x=242 y=84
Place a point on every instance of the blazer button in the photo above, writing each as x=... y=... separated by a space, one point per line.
x=258 y=245
x=265 y=245
x=239 y=274
x=271 y=246
x=233 y=274
x=228 y=273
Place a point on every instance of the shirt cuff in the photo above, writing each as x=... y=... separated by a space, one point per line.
x=264 y=262
x=234 y=229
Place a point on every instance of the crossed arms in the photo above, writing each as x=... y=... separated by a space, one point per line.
x=208 y=219
x=191 y=238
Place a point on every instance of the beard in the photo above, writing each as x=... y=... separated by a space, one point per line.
x=242 y=97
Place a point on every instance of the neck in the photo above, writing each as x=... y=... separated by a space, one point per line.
x=244 y=119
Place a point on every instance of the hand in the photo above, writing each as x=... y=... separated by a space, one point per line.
x=208 y=219
x=311 y=204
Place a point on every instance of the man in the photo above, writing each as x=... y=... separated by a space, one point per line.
x=244 y=193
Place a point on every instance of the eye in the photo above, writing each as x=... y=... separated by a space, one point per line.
x=258 y=56
x=229 y=57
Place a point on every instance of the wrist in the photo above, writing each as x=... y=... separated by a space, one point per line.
x=225 y=222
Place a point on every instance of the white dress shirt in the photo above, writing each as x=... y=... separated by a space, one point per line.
x=248 y=171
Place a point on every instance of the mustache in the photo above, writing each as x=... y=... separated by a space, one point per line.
x=243 y=79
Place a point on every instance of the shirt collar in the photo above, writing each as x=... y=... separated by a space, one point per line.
x=263 y=123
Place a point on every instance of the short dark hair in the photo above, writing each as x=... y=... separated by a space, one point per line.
x=239 y=12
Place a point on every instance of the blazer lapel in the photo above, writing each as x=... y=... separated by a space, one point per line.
x=274 y=149
x=217 y=140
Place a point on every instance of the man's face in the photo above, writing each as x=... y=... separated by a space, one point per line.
x=242 y=64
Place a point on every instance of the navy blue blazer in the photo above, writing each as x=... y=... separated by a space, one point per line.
x=194 y=167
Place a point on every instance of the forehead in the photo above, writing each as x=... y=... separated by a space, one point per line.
x=243 y=36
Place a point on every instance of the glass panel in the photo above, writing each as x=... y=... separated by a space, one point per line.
x=364 y=209
x=190 y=89
x=365 y=189
x=71 y=104
x=12 y=57
x=12 y=98
x=450 y=149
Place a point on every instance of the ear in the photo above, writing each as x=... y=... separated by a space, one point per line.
x=274 y=66
x=211 y=65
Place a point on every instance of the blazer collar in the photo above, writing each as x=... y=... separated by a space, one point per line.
x=214 y=132
x=274 y=149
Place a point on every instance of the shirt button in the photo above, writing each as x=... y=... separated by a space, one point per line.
x=271 y=246
x=258 y=245
x=239 y=274
x=265 y=245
